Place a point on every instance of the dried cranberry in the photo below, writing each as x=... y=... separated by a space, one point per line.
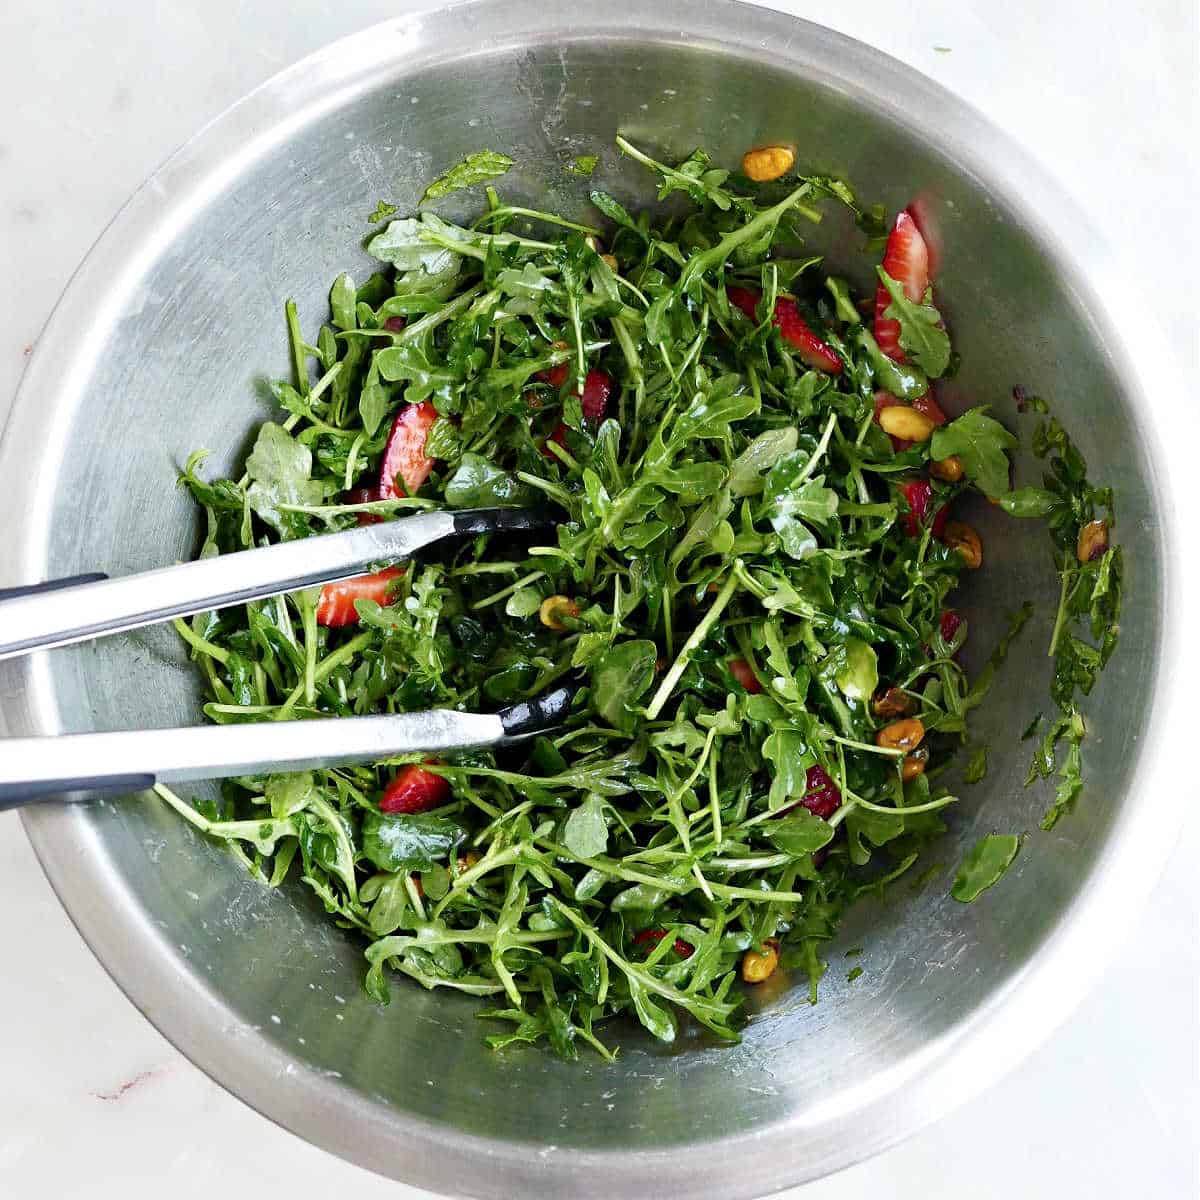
x=917 y=494
x=651 y=938
x=364 y=495
x=948 y=624
x=394 y=324
x=822 y=796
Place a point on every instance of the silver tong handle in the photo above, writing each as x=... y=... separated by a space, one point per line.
x=37 y=768
x=85 y=607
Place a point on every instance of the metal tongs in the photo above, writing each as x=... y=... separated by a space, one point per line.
x=83 y=607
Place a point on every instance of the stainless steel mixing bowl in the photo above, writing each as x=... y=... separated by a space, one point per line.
x=159 y=346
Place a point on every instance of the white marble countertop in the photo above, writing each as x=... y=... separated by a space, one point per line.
x=93 y=1102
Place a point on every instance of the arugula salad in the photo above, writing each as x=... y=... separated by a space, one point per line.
x=754 y=576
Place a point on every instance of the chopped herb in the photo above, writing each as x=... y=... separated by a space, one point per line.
x=987 y=860
x=1088 y=620
x=584 y=164
x=854 y=973
x=476 y=168
x=383 y=211
x=977 y=767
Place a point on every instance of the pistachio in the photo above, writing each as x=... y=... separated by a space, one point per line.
x=765 y=163
x=554 y=608
x=958 y=535
x=1093 y=541
x=906 y=423
x=914 y=764
x=893 y=702
x=901 y=735
x=948 y=470
x=760 y=965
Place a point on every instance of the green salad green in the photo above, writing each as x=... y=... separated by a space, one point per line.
x=753 y=579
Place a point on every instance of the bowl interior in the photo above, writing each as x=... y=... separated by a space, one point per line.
x=176 y=355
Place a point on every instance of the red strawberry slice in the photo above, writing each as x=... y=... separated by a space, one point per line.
x=925 y=208
x=405 y=466
x=811 y=349
x=948 y=624
x=792 y=327
x=336 y=605
x=740 y=669
x=906 y=260
x=414 y=790
x=746 y=299
x=925 y=403
x=651 y=938
x=597 y=388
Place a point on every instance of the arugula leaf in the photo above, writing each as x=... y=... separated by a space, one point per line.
x=987 y=860
x=279 y=467
x=1029 y=502
x=921 y=337
x=407 y=246
x=381 y=212
x=982 y=444
x=409 y=841
x=585 y=831
x=478 y=483
x=620 y=678
x=793 y=503
x=977 y=767
x=799 y=833
x=475 y=168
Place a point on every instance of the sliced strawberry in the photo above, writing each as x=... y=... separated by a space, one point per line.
x=651 y=938
x=414 y=790
x=745 y=299
x=792 y=328
x=336 y=606
x=597 y=387
x=811 y=349
x=925 y=209
x=906 y=260
x=405 y=466
x=948 y=624
x=364 y=495
x=740 y=669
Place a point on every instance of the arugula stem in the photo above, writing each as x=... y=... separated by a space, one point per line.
x=694 y=641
